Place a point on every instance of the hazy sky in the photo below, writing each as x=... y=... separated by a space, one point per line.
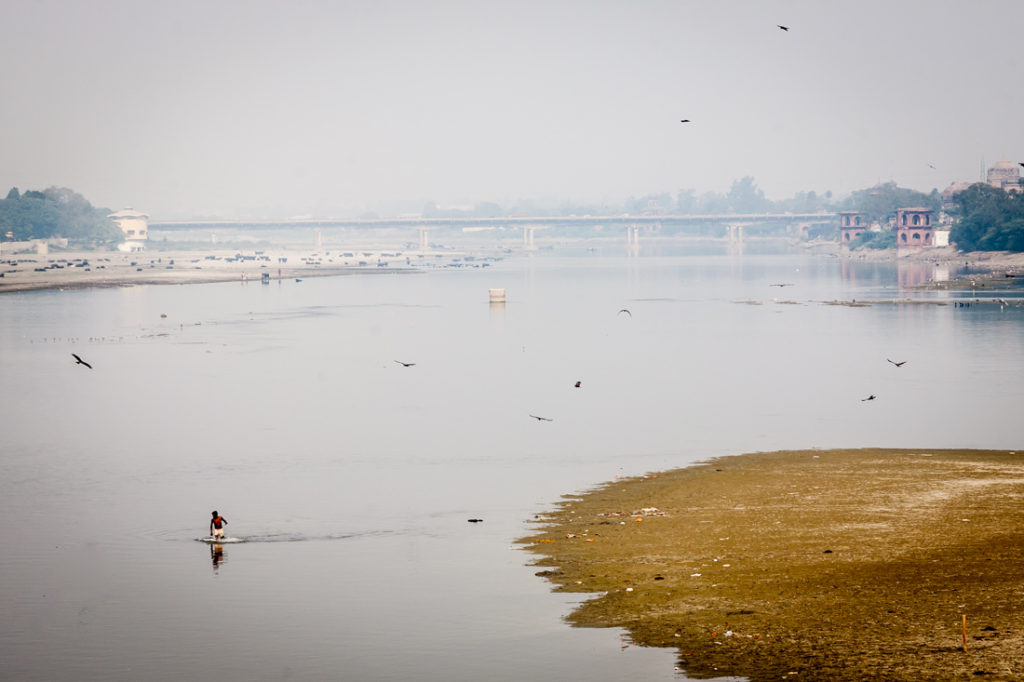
x=255 y=108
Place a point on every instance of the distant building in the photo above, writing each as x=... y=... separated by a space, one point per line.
x=948 y=194
x=1005 y=175
x=851 y=226
x=134 y=225
x=914 y=228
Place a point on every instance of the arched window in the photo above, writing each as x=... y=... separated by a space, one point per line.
x=917 y=219
x=928 y=219
x=917 y=236
x=904 y=237
x=856 y=220
x=846 y=220
x=904 y=218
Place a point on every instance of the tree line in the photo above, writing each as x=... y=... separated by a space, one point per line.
x=989 y=219
x=744 y=196
x=53 y=213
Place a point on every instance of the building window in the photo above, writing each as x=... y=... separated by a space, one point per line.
x=856 y=220
x=904 y=218
x=917 y=219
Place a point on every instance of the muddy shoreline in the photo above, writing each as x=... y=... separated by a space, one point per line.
x=116 y=269
x=812 y=565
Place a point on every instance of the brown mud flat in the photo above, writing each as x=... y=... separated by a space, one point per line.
x=807 y=565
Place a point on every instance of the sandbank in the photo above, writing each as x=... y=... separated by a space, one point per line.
x=810 y=565
x=23 y=272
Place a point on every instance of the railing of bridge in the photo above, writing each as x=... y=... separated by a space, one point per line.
x=751 y=218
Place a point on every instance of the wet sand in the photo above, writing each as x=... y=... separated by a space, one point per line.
x=114 y=269
x=809 y=565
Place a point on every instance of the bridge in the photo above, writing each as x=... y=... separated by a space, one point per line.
x=735 y=223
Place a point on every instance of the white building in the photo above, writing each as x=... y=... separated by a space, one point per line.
x=1005 y=175
x=135 y=226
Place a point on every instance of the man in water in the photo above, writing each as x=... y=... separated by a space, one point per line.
x=217 y=524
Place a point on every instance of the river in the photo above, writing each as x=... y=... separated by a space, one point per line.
x=351 y=477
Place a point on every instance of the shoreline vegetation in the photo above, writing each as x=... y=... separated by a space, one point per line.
x=839 y=565
x=26 y=272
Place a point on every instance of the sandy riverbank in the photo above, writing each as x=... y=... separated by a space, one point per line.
x=809 y=565
x=23 y=272
x=991 y=262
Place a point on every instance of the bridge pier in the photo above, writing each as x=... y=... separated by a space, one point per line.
x=633 y=235
x=734 y=231
x=528 y=231
x=424 y=238
x=633 y=239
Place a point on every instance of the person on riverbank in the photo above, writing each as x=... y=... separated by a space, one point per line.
x=217 y=523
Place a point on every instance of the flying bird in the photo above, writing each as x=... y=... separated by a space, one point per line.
x=898 y=364
x=577 y=384
x=783 y=284
x=80 y=361
x=1021 y=163
x=624 y=311
x=870 y=397
x=405 y=364
x=541 y=419
x=475 y=520
x=685 y=120
x=784 y=28
x=931 y=166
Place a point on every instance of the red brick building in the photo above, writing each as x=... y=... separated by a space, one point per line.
x=914 y=228
x=851 y=226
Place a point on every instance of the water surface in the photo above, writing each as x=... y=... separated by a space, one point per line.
x=352 y=477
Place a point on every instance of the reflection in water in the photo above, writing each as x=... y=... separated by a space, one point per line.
x=217 y=555
x=497 y=309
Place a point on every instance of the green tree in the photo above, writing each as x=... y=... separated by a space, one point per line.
x=879 y=203
x=989 y=219
x=746 y=197
x=57 y=212
x=686 y=201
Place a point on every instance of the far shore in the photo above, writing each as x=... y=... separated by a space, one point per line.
x=806 y=565
x=80 y=269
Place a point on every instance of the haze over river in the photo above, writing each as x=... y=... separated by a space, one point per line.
x=352 y=477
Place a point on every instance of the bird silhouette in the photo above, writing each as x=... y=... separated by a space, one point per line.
x=80 y=361
x=685 y=120
x=624 y=311
x=784 y=28
x=870 y=397
x=1020 y=163
x=405 y=364
x=475 y=520
x=541 y=419
x=780 y=285
x=898 y=364
x=577 y=384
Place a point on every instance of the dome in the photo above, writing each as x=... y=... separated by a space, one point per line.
x=1004 y=164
